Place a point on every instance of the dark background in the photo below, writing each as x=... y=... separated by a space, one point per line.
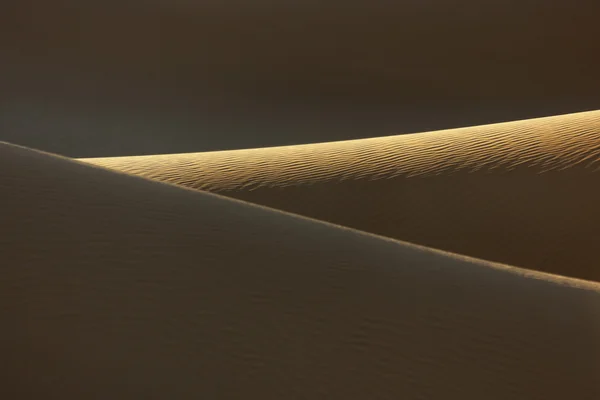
x=144 y=77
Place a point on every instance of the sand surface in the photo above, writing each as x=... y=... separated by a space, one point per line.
x=122 y=286
x=524 y=193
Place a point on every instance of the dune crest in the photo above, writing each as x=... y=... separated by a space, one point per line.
x=115 y=286
x=523 y=193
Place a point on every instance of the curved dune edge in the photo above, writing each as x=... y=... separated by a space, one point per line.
x=523 y=193
x=123 y=287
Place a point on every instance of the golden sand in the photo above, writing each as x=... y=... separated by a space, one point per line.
x=524 y=193
x=122 y=286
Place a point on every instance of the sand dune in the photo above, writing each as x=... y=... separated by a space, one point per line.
x=114 y=286
x=524 y=193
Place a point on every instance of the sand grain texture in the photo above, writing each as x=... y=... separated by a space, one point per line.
x=114 y=286
x=524 y=193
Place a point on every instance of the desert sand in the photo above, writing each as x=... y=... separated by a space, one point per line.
x=524 y=193
x=440 y=264
x=135 y=287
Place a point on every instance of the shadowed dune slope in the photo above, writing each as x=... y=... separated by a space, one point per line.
x=113 y=286
x=524 y=193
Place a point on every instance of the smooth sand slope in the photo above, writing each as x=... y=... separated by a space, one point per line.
x=113 y=286
x=524 y=193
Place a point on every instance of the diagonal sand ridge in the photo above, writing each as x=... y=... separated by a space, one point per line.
x=119 y=287
x=524 y=193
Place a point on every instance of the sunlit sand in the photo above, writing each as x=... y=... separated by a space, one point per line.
x=365 y=270
x=524 y=193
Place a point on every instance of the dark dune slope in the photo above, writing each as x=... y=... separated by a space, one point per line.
x=117 y=287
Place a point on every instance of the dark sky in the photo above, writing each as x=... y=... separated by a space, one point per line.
x=145 y=77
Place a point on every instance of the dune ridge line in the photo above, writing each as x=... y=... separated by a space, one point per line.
x=122 y=287
x=523 y=193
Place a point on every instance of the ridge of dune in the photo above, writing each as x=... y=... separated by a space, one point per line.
x=524 y=192
x=115 y=286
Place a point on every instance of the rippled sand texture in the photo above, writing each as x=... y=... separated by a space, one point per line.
x=115 y=286
x=524 y=193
